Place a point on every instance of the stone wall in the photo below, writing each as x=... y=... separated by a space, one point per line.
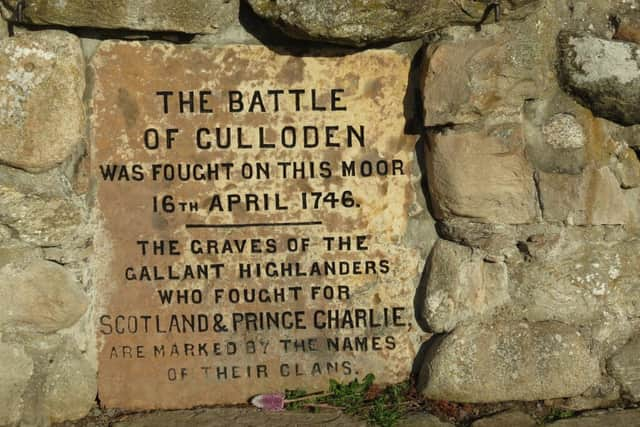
x=530 y=135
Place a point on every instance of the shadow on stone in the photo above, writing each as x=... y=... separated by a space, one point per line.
x=419 y=374
x=275 y=39
x=421 y=294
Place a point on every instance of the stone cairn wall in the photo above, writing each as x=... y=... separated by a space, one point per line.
x=530 y=137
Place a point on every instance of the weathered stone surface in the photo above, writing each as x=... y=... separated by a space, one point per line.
x=41 y=88
x=5 y=233
x=629 y=135
x=422 y=420
x=616 y=418
x=241 y=417
x=70 y=387
x=604 y=394
x=461 y=285
x=51 y=184
x=603 y=75
x=16 y=369
x=624 y=366
x=189 y=16
x=386 y=208
x=17 y=251
x=627 y=169
x=472 y=77
x=563 y=131
x=509 y=361
x=561 y=136
x=462 y=185
x=41 y=296
x=365 y=22
x=577 y=280
x=40 y=220
x=592 y=198
x=507 y=419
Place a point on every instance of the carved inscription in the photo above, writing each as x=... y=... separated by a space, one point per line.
x=254 y=211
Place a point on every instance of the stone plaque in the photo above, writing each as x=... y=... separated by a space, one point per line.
x=257 y=217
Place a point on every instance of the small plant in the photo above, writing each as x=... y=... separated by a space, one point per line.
x=389 y=407
x=381 y=407
x=350 y=396
x=293 y=396
x=558 y=414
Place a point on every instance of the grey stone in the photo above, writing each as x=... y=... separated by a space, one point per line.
x=240 y=417
x=603 y=75
x=41 y=88
x=577 y=281
x=507 y=419
x=70 y=387
x=624 y=366
x=612 y=328
x=40 y=296
x=189 y=16
x=461 y=285
x=422 y=420
x=508 y=361
x=16 y=368
x=359 y=23
x=563 y=131
x=628 y=418
x=41 y=220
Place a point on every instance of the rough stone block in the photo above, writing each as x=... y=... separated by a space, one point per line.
x=189 y=16
x=41 y=88
x=70 y=387
x=40 y=220
x=41 y=296
x=628 y=418
x=627 y=169
x=360 y=23
x=468 y=79
x=624 y=366
x=461 y=285
x=509 y=361
x=578 y=281
x=592 y=198
x=16 y=368
x=604 y=75
x=481 y=176
x=17 y=251
x=507 y=419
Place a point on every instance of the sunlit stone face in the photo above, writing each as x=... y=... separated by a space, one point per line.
x=256 y=213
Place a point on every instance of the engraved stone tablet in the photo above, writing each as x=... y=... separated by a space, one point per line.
x=257 y=218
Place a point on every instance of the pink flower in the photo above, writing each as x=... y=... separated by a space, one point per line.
x=269 y=402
